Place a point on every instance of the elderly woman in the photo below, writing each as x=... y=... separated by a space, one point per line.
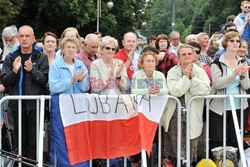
x=67 y=74
x=230 y=77
x=108 y=75
x=148 y=81
x=154 y=81
x=184 y=81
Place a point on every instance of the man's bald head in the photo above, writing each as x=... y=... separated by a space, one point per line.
x=91 y=44
x=26 y=38
x=91 y=37
x=129 y=34
x=129 y=42
x=26 y=28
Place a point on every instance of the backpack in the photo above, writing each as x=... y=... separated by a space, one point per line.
x=216 y=61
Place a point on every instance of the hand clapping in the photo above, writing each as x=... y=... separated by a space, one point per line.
x=17 y=64
x=241 y=69
x=28 y=65
x=119 y=70
x=79 y=76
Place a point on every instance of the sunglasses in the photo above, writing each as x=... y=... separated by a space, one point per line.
x=247 y=7
x=232 y=40
x=109 y=48
x=197 y=51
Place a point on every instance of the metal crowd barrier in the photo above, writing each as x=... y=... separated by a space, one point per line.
x=40 y=102
x=40 y=108
x=236 y=124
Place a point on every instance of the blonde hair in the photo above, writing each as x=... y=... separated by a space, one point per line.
x=108 y=39
x=244 y=2
x=67 y=30
x=70 y=39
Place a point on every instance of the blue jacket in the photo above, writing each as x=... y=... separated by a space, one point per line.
x=60 y=78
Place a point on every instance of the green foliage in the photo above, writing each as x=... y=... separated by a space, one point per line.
x=56 y=15
x=9 y=9
x=192 y=16
x=158 y=19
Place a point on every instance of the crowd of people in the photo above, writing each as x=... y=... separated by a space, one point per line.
x=202 y=65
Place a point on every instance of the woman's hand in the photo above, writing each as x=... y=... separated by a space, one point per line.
x=239 y=69
x=78 y=76
x=154 y=89
x=81 y=76
x=244 y=70
x=119 y=70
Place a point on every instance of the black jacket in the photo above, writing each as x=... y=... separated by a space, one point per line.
x=35 y=80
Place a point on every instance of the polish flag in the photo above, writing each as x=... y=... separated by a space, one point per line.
x=108 y=127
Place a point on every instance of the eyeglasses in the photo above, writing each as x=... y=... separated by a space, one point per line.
x=247 y=7
x=109 y=48
x=197 y=51
x=232 y=40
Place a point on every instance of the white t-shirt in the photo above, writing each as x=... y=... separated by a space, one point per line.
x=71 y=68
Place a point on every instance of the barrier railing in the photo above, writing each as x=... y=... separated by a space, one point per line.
x=40 y=108
x=40 y=123
x=143 y=158
x=235 y=120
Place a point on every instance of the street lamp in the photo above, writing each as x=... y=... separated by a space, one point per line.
x=110 y=5
x=173 y=15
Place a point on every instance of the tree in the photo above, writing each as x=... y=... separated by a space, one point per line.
x=213 y=13
x=158 y=18
x=192 y=16
x=55 y=16
x=9 y=10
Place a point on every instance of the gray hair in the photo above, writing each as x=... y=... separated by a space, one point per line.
x=9 y=31
x=90 y=37
x=72 y=40
x=184 y=46
x=201 y=34
x=108 y=39
x=174 y=33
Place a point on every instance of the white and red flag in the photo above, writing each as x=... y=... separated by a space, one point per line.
x=100 y=126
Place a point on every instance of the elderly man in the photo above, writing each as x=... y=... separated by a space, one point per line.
x=25 y=72
x=191 y=38
x=175 y=42
x=128 y=53
x=10 y=42
x=203 y=40
x=88 y=54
